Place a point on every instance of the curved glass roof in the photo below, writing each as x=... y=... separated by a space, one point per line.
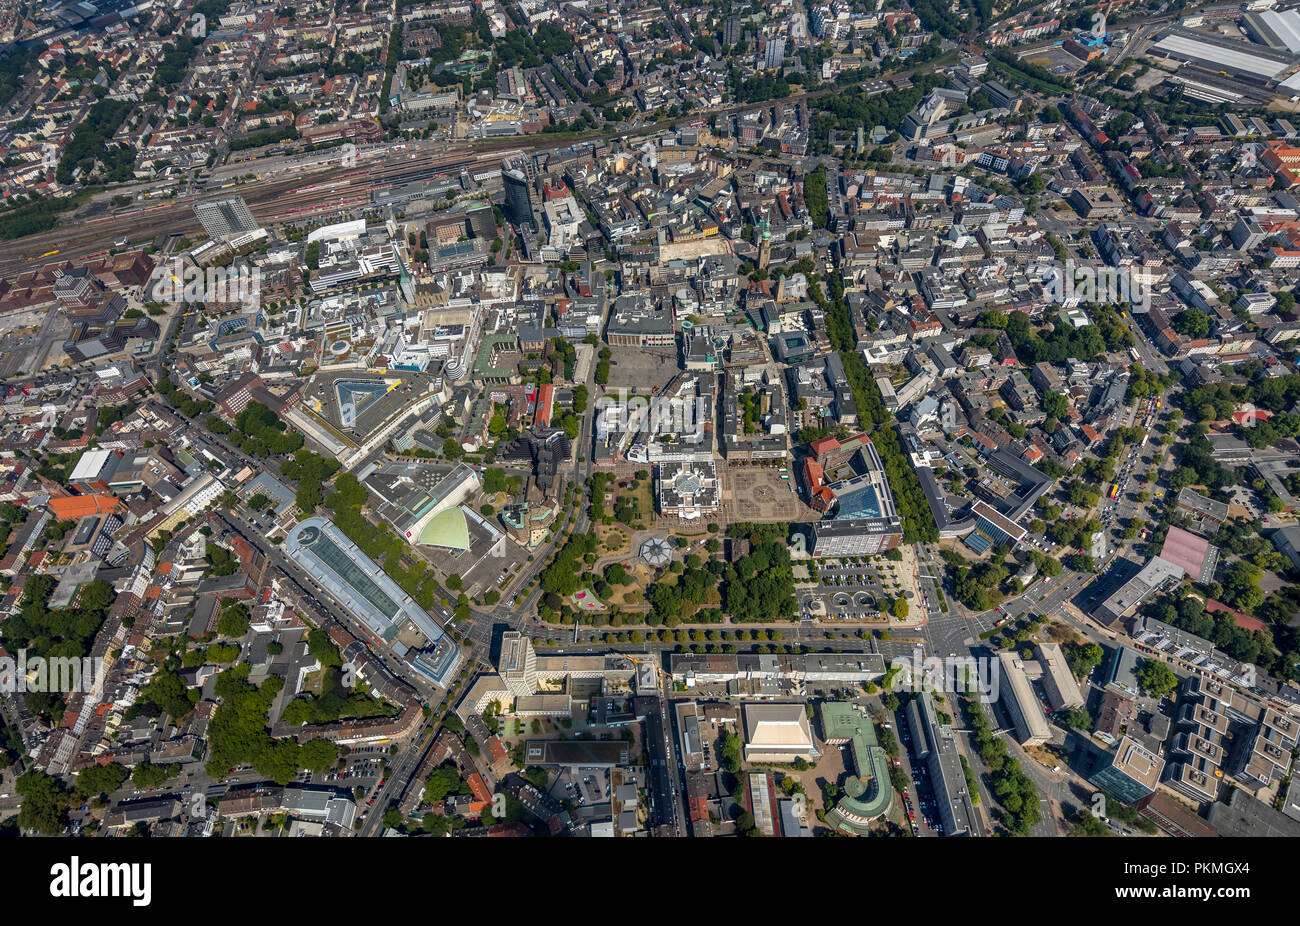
x=449 y=529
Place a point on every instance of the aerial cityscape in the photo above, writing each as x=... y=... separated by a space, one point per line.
x=594 y=418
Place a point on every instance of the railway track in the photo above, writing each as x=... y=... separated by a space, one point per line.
x=75 y=237
x=270 y=201
x=78 y=237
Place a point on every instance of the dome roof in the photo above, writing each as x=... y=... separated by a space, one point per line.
x=448 y=529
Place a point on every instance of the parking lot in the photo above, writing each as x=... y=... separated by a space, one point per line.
x=840 y=604
x=584 y=786
x=853 y=591
x=486 y=565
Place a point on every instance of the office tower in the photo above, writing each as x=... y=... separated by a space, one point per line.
x=519 y=199
x=223 y=217
x=518 y=665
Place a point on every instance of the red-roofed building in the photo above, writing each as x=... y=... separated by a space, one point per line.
x=823 y=446
x=508 y=830
x=545 y=403
x=924 y=326
x=478 y=787
x=243 y=549
x=697 y=798
x=819 y=496
x=1244 y=621
x=81 y=506
x=830 y=451
x=1283 y=160
x=985 y=441
x=1195 y=555
x=1249 y=416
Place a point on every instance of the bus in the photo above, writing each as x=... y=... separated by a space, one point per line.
x=1133 y=352
x=1114 y=490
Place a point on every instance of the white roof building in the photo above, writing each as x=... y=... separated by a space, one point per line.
x=91 y=466
x=777 y=733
